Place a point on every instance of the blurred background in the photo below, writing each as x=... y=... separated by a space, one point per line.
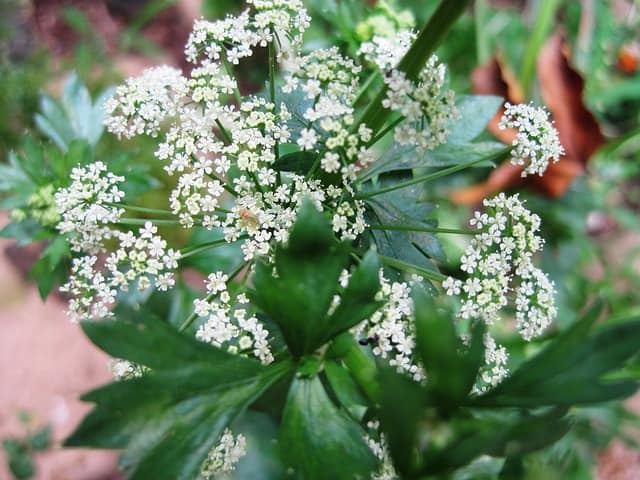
x=581 y=59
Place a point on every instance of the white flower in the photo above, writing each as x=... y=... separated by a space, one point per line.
x=498 y=261
x=536 y=142
x=390 y=330
x=85 y=207
x=224 y=456
x=143 y=103
x=427 y=106
x=230 y=326
x=308 y=139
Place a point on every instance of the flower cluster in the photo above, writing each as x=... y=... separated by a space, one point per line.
x=386 y=52
x=390 y=329
x=41 y=207
x=142 y=104
x=499 y=260
x=124 y=369
x=85 y=207
x=378 y=445
x=494 y=369
x=236 y=37
x=143 y=258
x=231 y=326
x=224 y=456
x=536 y=141
x=426 y=105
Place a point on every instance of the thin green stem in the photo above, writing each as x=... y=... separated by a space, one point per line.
x=191 y=318
x=386 y=130
x=418 y=228
x=195 y=249
x=366 y=86
x=272 y=84
x=135 y=208
x=226 y=137
x=229 y=70
x=435 y=175
x=409 y=268
x=142 y=221
x=541 y=28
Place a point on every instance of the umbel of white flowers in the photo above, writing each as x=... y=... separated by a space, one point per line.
x=205 y=128
x=536 y=141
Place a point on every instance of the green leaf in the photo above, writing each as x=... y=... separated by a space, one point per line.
x=75 y=117
x=52 y=267
x=398 y=158
x=401 y=409
x=345 y=388
x=395 y=208
x=298 y=298
x=13 y=177
x=451 y=367
x=571 y=368
x=475 y=113
x=357 y=302
x=156 y=344
x=505 y=435
x=319 y=441
x=23 y=232
x=169 y=419
x=21 y=466
x=299 y=162
x=41 y=440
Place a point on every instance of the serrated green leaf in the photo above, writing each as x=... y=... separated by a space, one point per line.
x=319 y=441
x=357 y=302
x=13 y=178
x=308 y=268
x=169 y=419
x=154 y=344
x=400 y=208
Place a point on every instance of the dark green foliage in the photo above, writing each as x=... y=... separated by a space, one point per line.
x=298 y=299
x=19 y=451
x=320 y=441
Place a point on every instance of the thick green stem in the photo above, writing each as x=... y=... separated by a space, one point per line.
x=416 y=58
x=418 y=228
x=435 y=175
x=362 y=367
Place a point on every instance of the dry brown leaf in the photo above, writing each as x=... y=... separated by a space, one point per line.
x=562 y=89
